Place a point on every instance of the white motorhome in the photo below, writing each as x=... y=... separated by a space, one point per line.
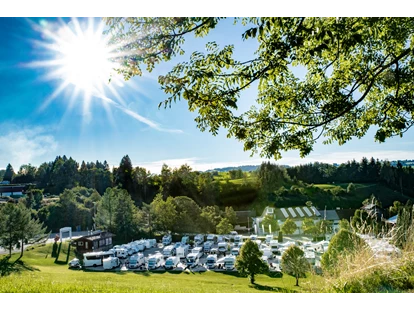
x=166 y=239
x=185 y=239
x=222 y=247
x=274 y=246
x=267 y=252
x=269 y=238
x=152 y=243
x=192 y=260
x=211 y=238
x=238 y=239
x=199 y=239
x=253 y=237
x=207 y=246
x=169 y=251
x=235 y=251
x=182 y=251
x=220 y=238
x=110 y=263
x=258 y=242
x=121 y=253
x=310 y=257
x=229 y=262
x=198 y=250
x=211 y=261
x=136 y=261
x=154 y=261
x=140 y=245
x=128 y=248
x=172 y=262
x=94 y=259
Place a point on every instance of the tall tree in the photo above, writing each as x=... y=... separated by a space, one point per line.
x=123 y=174
x=269 y=220
x=224 y=226
x=9 y=174
x=164 y=213
x=358 y=76
x=289 y=226
x=249 y=262
x=294 y=262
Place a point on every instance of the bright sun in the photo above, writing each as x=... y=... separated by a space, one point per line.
x=79 y=57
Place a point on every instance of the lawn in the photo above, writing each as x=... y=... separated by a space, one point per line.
x=41 y=274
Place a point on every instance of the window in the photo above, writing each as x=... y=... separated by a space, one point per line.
x=80 y=243
x=86 y=245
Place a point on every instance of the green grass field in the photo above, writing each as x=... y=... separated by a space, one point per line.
x=39 y=274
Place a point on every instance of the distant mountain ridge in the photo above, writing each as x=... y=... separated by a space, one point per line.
x=244 y=168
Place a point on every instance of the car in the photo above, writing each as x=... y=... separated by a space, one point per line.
x=75 y=264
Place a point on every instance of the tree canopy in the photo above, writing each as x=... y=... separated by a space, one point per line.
x=357 y=74
x=249 y=262
x=289 y=226
x=294 y=262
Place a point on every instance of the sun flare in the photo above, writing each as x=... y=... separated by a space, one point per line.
x=79 y=57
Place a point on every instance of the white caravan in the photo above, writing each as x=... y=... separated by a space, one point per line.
x=154 y=261
x=166 y=239
x=253 y=237
x=192 y=260
x=267 y=252
x=235 y=251
x=274 y=246
x=185 y=239
x=110 y=263
x=140 y=245
x=310 y=257
x=211 y=261
x=198 y=250
x=229 y=262
x=220 y=238
x=169 y=251
x=136 y=261
x=222 y=247
x=258 y=242
x=121 y=253
x=182 y=251
x=269 y=238
x=95 y=259
x=207 y=246
x=128 y=248
x=172 y=262
x=212 y=238
x=199 y=239
x=238 y=239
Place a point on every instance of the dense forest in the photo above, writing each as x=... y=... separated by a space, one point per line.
x=63 y=192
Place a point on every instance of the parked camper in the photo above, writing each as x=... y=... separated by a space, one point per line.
x=75 y=264
x=166 y=239
x=154 y=261
x=211 y=261
x=192 y=259
x=253 y=237
x=136 y=261
x=172 y=262
x=220 y=238
x=94 y=259
x=212 y=238
x=199 y=239
x=222 y=247
x=233 y=233
x=169 y=251
x=152 y=243
x=185 y=239
x=111 y=263
x=207 y=246
x=198 y=250
x=121 y=253
x=235 y=251
x=274 y=246
x=229 y=262
x=140 y=245
x=258 y=242
x=269 y=238
x=238 y=239
x=182 y=251
x=310 y=257
x=267 y=252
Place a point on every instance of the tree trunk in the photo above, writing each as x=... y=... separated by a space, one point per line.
x=297 y=280
x=252 y=280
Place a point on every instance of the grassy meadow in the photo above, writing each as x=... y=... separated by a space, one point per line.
x=39 y=273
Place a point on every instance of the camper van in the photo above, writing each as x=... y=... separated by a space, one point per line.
x=269 y=238
x=128 y=249
x=235 y=251
x=211 y=238
x=110 y=263
x=237 y=239
x=258 y=242
x=220 y=238
x=172 y=262
x=207 y=246
x=182 y=251
x=136 y=261
x=169 y=251
x=166 y=239
x=267 y=252
x=192 y=260
x=199 y=239
x=185 y=239
x=253 y=237
x=274 y=246
x=154 y=261
x=121 y=253
x=222 y=247
x=211 y=261
x=310 y=257
x=229 y=262
x=198 y=250
x=94 y=259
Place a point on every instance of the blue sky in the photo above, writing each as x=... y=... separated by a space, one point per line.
x=34 y=132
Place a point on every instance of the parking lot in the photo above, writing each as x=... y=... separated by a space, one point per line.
x=200 y=267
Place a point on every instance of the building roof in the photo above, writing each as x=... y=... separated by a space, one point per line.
x=96 y=236
x=346 y=213
x=330 y=214
x=297 y=212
